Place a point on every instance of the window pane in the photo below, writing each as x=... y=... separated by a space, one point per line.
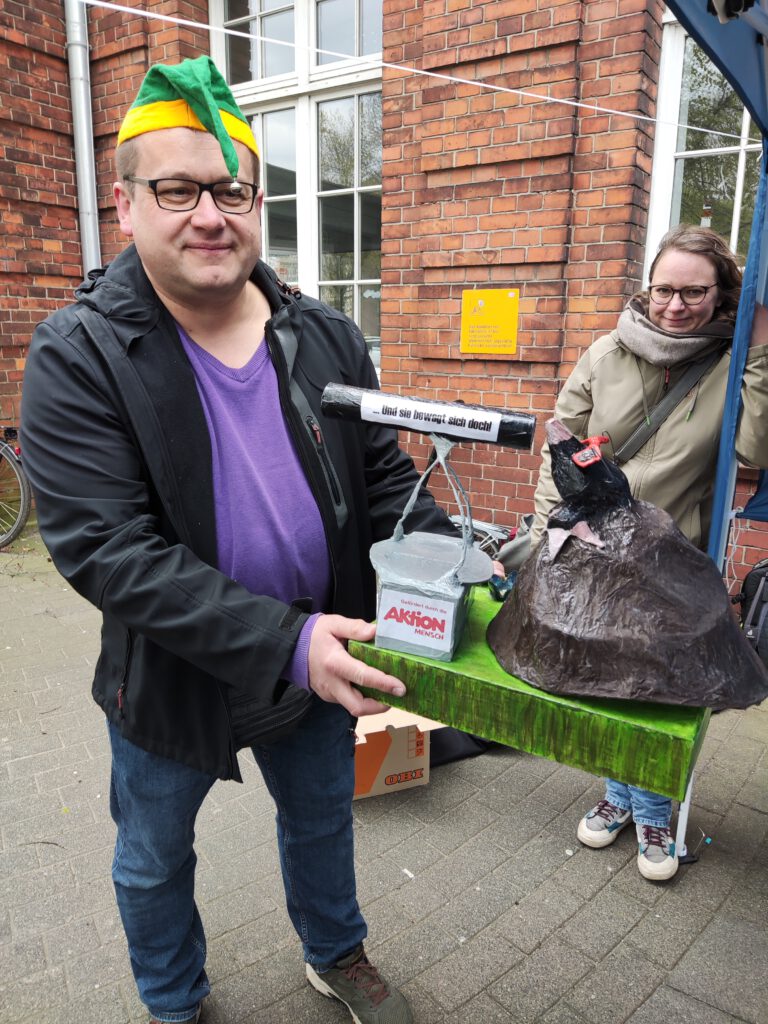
x=703 y=188
x=335 y=29
x=371 y=25
x=273 y=5
x=239 y=9
x=280 y=153
x=340 y=296
x=369 y=299
x=336 y=144
x=282 y=238
x=370 y=234
x=706 y=99
x=370 y=139
x=337 y=238
x=278 y=60
x=242 y=56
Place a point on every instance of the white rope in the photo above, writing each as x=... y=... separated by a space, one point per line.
x=409 y=69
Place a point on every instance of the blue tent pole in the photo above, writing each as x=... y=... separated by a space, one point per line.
x=753 y=290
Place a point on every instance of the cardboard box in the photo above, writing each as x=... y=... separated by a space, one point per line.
x=391 y=752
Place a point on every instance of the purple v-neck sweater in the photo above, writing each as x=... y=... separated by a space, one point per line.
x=269 y=533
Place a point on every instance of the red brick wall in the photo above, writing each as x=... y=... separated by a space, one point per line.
x=39 y=244
x=481 y=189
x=124 y=47
x=487 y=189
x=40 y=257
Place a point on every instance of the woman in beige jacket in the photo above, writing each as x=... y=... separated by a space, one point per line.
x=688 y=311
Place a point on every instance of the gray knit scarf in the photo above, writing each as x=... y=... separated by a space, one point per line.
x=661 y=348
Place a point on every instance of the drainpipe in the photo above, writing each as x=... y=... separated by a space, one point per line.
x=82 y=123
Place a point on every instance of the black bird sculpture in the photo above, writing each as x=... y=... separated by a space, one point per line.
x=616 y=602
x=590 y=485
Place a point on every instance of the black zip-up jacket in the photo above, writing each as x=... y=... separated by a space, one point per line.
x=126 y=507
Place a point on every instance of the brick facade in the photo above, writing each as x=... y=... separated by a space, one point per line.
x=482 y=188
x=487 y=189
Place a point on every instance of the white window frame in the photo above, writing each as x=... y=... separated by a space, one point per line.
x=665 y=149
x=303 y=89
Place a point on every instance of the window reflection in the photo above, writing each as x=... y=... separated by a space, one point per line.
x=280 y=153
x=337 y=237
x=280 y=224
x=256 y=58
x=707 y=98
x=348 y=28
x=349 y=144
x=370 y=234
x=336 y=142
x=335 y=30
x=370 y=139
x=706 y=182
x=283 y=247
x=371 y=21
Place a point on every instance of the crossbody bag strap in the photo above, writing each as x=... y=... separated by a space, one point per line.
x=141 y=413
x=659 y=413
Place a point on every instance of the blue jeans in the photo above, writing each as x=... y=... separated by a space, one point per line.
x=154 y=802
x=647 y=808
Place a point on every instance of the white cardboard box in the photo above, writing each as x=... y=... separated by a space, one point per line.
x=391 y=752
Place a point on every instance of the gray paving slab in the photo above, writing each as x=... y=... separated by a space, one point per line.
x=538 y=915
x=726 y=968
x=540 y=980
x=469 y=970
x=481 y=903
x=669 y=1005
x=629 y=979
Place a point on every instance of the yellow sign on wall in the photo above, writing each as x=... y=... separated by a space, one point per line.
x=489 y=321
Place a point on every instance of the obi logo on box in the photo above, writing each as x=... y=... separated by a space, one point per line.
x=423 y=621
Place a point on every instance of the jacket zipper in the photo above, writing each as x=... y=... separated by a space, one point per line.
x=666 y=380
x=124 y=683
x=314 y=427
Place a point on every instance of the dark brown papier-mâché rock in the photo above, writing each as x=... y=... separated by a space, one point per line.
x=616 y=602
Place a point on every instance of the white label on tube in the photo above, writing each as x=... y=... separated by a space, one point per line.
x=430 y=417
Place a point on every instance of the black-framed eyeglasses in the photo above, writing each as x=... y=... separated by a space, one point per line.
x=183 y=194
x=692 y=295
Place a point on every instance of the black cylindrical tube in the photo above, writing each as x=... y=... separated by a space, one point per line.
x=453 y=420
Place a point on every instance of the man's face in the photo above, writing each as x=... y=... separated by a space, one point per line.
x=197 y=256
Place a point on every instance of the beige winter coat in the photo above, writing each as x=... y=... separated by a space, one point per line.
x=675 y=469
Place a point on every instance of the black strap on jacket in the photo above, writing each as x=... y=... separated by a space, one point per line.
x=659 y=413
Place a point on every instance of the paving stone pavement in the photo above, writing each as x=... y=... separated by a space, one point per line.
x=481 y=903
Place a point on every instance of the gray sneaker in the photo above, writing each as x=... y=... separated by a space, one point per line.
x=601 y=826
x=656 y=855
x=355 y=982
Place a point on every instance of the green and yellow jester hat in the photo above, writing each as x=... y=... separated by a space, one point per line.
x=192 y=94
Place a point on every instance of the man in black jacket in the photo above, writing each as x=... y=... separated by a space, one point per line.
x=188 y=485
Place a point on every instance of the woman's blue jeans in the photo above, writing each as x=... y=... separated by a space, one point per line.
x=647 y=808
x=154 y=802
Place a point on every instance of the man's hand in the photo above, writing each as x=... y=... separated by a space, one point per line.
x=334 y=674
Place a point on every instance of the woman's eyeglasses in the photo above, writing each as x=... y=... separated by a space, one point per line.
x=691 y=295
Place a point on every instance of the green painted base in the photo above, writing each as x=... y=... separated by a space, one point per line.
x=654 y=746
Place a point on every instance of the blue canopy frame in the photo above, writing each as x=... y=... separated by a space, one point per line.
x=738 y=49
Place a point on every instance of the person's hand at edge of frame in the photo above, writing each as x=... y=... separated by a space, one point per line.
x=334 y=674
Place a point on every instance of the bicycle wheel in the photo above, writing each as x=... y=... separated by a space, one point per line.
x=15 y=498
